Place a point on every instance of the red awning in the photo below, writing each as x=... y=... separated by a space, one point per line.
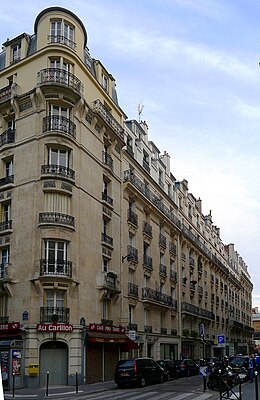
x=121 y=339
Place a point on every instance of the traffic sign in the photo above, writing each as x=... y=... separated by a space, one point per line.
x=221 y=340
x=204 y=371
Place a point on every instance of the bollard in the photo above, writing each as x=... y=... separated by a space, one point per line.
x=77 y=384
x=47 y=384
x=256 y=385
x=13 y=383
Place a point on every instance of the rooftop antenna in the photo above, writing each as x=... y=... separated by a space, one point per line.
x=140 y=110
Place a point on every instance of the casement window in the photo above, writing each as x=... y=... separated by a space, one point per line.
x=62 y=32
x=6 y=212
x=58 y=157
x=57 y=203
x=16 y=52
x=9 y=167
x=55 y=251
x=5 y=256
x=104 y=309
x=105 y=82
x=3 y=305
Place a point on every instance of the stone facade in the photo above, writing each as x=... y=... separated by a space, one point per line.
x=98 y=239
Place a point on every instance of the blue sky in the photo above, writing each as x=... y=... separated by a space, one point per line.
x=193 y=64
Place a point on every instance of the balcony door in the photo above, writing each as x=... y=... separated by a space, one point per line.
x=56 y=256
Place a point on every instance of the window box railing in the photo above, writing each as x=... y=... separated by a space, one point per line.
x=4 y=271
x=172 y=248
x=107 y=198
x=59 y=123
x=132 y=290
x=148 y=262
x=58 y=170
x=132 y=326
x=54 y=314
x=148 y=328
x=7 y=180
x=56 y=268
x=5 y=93
x=62 y=40
x=56 y=218
x=163 y=270
x=107 y=117
x=173 y=275
x=164 y=331
x=107 y=239
x=147 y=229
x=60 y=76
x=5 y=225
x=7 y=137
x=108 y=160
x=162 y=240
x=132 y=217
x=132 y=253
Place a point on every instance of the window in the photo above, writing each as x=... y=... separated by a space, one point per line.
x=9 y=167
x=11 y=125
x=104 y=309
x=55 y=310
x=105 y=266
x=5 y=256
x=60 y=117
x=131 y=314
x=56 y=202
x=6 y=212
x=105 y=82
x=62 y=32
x=3 y=305
x=58 y=157
x=16 y=52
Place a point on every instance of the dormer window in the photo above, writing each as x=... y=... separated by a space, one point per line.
x=16 y=52
x=105 y=82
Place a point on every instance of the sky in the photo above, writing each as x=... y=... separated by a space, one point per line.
x=194 y=67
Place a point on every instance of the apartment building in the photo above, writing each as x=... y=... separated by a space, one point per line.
x=103 y=252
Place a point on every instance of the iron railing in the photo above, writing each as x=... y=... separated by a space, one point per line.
x=106 y=115
x=60 y=76
x=5 y=225
x=54 y=314
x=132 y=290
x=158 y=297
x=59 y=170
x=6 y=180
x=59 y=123
x=7 y=137
x=56 y=267
x=56 y=218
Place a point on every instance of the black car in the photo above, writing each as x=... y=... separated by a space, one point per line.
x=138 y=371
x=170 y=368
x=187 y=367
x=240 y=365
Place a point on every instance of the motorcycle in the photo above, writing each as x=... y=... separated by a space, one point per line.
x=222 y=377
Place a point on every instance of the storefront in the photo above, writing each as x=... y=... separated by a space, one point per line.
x=104 y=347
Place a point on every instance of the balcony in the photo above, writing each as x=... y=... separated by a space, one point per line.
x=59 y=268
x=173 y=276
x=55 y=218
x=59 y=123
x=4 y=273
x=132 y=326
x=188 y=308
x=154 y=296
x=108 y=280
x=106 y=239
x=172 y=248
x=132 y=254
x=164 y=331
x=58 y=170
x=61 y=77
x=133 y=290
x=62 y=40
x=107 y=199
x=7 y=180
x=147 y=229
x=107 y=117
x=200 y=290
x=54 y=314
x=162 y=240
x=163 y=270
x=132 y=217
x=5 y=225
x=192 y=262
x=148 y=328
x=7 y=137
x=148 y=262
x=5 y=94
x=107 y=160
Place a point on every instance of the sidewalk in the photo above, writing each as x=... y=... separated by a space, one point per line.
x=59 y=392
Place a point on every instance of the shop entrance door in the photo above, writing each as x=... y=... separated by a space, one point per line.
x=54 y=358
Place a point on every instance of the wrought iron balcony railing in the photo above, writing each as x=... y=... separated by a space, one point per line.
x=158 y=297
x=132 y=290
x=56 y=268
x=4 y=271
x=162 y=240
x=172 y=248
x=60 y=76
x=58 y=170
x=6 y=180
x=107 y=117
x=7 y=137
x=56 y=218
x=107 y=198
x=173 y=275
x=54 y=314
x=108 y=160
x=163 y=270
x=62 y=40
x=147 y=228
x=5 y=225
x=132 y=217
x=59 y=123
x=148 y=328
x=148 y=262
x=132 y=326
x=107 y=239
x=5 y=93
x=132 y=253
x=192 y=309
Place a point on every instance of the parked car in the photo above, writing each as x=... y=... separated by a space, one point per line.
x=187 y=367
x=170 y=368
x=240 y=365
x=138 y=371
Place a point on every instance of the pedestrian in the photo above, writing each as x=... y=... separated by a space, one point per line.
x=251 y=366
x=257 y=364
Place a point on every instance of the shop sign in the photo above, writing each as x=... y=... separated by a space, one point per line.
x=106 y=328
x=10 y=326
x=54 y=328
